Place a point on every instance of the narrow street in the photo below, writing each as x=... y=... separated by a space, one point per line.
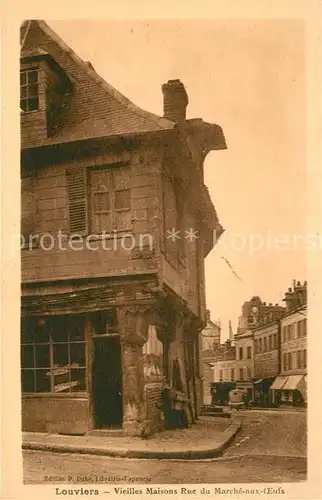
x=270 y=448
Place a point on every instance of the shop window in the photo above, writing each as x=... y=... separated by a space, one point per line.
x=53 y=355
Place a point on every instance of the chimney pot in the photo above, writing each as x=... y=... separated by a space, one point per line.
x=175 y=100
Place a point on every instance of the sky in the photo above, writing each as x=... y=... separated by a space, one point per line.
x=248 y=76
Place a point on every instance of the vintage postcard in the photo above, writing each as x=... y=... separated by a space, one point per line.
x=161 y=235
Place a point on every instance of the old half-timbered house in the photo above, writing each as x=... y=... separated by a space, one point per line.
x=110 y=302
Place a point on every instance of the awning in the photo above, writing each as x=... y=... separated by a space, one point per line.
x=259 y=381
x=278 y=383
x=292 y=382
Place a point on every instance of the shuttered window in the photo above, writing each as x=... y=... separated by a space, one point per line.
x=99 y=199
x=77 y=203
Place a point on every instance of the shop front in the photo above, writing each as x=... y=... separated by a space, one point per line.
x=261 y=392
x=220 y=392
x=86 y=371
x=290 y=390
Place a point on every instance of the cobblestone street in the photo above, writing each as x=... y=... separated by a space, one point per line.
x=270 y=448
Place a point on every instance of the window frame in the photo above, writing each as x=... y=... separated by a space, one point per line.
x=51 y=343
x=26 y=70
x=109 y=169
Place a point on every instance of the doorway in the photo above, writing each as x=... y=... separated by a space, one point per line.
x=107 y=382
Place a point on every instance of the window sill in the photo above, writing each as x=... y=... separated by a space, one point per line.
x=46 y=395
x=24 y=113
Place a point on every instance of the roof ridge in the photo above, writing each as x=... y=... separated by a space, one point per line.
x=124 y=101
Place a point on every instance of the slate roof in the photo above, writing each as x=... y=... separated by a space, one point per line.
x=98 y=110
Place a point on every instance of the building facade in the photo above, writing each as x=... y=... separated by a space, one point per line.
x=110 y=304
x=266 y=360
x=244 y=362
x=224 y=372
x=290 y=388
x=210 y=341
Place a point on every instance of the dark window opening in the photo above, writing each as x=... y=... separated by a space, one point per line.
x=29 y=90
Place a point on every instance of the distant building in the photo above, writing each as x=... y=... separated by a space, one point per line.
x=211 y=334
x=291 y=386
x=224 y=372
x=266 y=355
x=244 y=361
x=253 y=312
x=210 y=341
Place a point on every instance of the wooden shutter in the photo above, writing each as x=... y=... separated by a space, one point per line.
x=28 y=207
x=77 y=202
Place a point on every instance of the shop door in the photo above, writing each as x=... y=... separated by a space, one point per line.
x=107 y=382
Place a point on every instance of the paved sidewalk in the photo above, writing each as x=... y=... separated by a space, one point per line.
x=206 y=439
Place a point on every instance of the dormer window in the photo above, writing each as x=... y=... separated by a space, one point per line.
x=29 y=92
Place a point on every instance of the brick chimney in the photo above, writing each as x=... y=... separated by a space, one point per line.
x=175 y=101
x=301 y=292
x=290 y=300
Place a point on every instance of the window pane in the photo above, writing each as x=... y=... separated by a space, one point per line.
x=41 y=331
x=101 y=180
x=122 y=199
x=33 y=104
x=32 y=90
x=32 y=76
x=42 y=356
x=42 y=381
x=123 y=220
x=77 y=329
x=101 y=202
x=23 y=78
x=27 y=356
x=60 y=329
x=78 y=377
x=102 y=223
x=60 y=354
x=77 y=354
x=23 y=92
x=27 y=330
x=23 y=104
x=27 y=381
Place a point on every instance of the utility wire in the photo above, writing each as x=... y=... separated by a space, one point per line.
x=232 y=269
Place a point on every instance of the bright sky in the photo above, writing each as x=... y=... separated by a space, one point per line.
x=249 y=77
